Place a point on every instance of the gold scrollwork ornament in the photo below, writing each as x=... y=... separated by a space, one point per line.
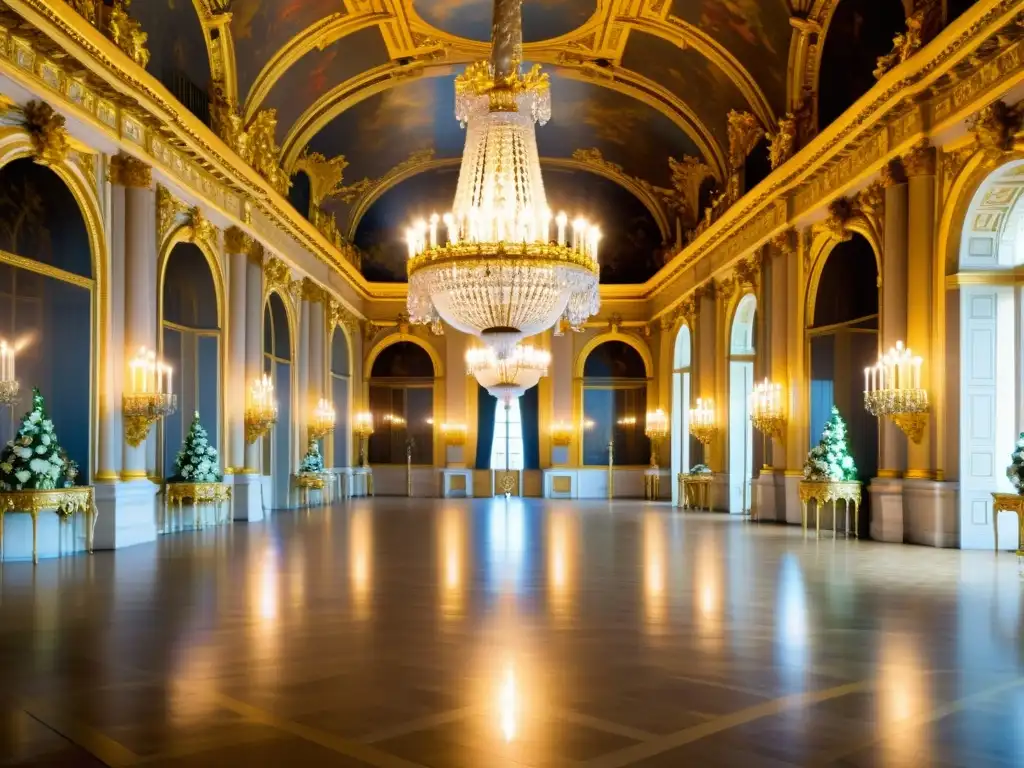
x=48 y=133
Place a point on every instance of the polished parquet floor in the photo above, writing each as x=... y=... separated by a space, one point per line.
x=483 y=634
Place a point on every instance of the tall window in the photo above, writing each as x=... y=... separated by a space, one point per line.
x=615 y=405
x=508 y=432
x=402 y=402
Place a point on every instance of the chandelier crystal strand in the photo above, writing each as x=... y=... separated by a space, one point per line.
x=500 y=265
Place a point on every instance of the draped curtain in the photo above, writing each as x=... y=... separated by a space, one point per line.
x=486 y=405
x=529 y=409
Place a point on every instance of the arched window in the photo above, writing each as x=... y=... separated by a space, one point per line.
x=402 y=401
x=278 y=461
x=508 y=435
x=46 y=302
x=341 y=392
x=680 y=406
x=741 y=384
x=615 y=405
x=191 y=345
x=859 y=32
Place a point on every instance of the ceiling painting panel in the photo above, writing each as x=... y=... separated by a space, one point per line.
x=471 y=19
x=176 y=42
x=260 y=27
x=320 y=70
x=627 y=131
x=687 y=73
x=756 y=32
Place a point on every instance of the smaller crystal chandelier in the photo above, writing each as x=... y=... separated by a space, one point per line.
x=322 y=423
x=506 y=379
x=261 y=414
x=149 y=396
x=454 y=434
x=702 y=421
x=766 y=412
x=656 y=428
x=892 y=388
x=8 y=382
x=363 y=429
x=561 y=434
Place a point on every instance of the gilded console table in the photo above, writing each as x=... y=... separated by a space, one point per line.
x=822 y=492
x=695 y=491
x=310 y=481
x=199 y=494
x=1009 y=502
x=652 y=483
x=64 y=501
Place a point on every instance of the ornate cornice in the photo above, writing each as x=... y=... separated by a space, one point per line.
x=127 y=171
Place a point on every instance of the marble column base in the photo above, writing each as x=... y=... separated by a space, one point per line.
x=769 y=495
x=886 y=495
x=127 y=513
x=247 y=497
x=930 y=514
x=719 y=492
x=791 y=490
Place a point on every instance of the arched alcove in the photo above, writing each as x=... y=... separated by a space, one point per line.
x=301 y=195
x=341 y=394
x=741 y=385
x=615 y=379
x=681 y=370
x=191 y=345
x=277 y=364
x=859 y=32
x=843 y=341
x=989 y=355
x=401 y=397
x=47 y=303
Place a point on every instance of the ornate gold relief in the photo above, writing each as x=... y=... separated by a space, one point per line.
x=688 y=175
x=922 y=25
x=871 y=203
x=952 y=164
x=168 y=209
x=86 y=163
x=994 y=126
x=784 y=243
x=840 y=211
x=893 y=173
x=237 y=240
x=314 y=292
x=744 y=133
x=127 y=171
x=325 y=176
x=370 y=331
x=783 y=141
x=115 y=23
x=201 y=229
x=255 y=144
x=338 y=314
x=920 y=161
x=48 y=134
x=748 y=271
x=276 y=274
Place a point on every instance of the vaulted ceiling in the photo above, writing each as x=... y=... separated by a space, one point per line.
x=638 y=80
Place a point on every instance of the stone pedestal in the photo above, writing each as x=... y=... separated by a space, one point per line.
x=247 y=497
x=769 y=497
x=930 y=514
x=791 y=491
x=886 y=496
x=127 y=513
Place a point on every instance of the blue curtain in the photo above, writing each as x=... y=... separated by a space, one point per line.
x=529 y=409
x=486 y=405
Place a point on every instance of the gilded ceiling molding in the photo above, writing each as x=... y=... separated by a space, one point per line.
x=320 y=34
x=379 y=79
x=582 y=160
x=122 y=30
x=684 y=35
x=220 y=46
x=255 y=144
x=326 y=176
x=47 y=132
x=744 y=133
x=688 y=175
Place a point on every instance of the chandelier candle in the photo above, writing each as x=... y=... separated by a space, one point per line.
x=495 y=271
x=702 y=421
x=892 y=388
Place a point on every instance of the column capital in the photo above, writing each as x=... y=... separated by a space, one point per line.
x=920 y=160
x=314 y=292
x=237 y=240
x=893 y=173
x=126 y=171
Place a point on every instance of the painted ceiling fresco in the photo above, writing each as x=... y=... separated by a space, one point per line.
x=630 y=248
x=542 y=19
x=175 y=41
x=707 y=90
x=756 y=32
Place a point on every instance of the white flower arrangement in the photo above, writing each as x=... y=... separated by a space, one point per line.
x=33 y=460
x=312 y=461
x=830 y=459
x=1016 y=469
x=700 y=469
x=196 y=462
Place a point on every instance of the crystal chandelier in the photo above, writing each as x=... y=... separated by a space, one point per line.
x=499 y=265
x=507 y=378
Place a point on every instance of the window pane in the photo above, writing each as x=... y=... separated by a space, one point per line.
x=615 y=414
x=512 y=423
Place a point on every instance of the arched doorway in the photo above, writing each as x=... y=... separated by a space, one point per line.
x=858 y=33
x=990 y=307
x=47 y=303
x=681 y=358
x=401 y=397
x=278 y=459
x=842 y=336
x=191 y=344
x=741 y=385
x=341 y=394
x=615 y=405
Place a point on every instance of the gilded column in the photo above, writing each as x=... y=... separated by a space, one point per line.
x=920 y=166
x=237 y=246
x=302 y=360
x=893 y=328
x=141 y=286
x=315 y=298
x=254 y=344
